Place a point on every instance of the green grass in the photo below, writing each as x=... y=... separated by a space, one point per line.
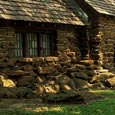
x=104 y=106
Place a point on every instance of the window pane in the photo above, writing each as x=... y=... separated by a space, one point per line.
x=32 y=44
x=18 y=47
x=27 y=45
x=45 y=44
x=17 y=50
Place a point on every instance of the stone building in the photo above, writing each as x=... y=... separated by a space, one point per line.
x=39 y=40
x=101 y=15
x=39 y=28
x=56 y=46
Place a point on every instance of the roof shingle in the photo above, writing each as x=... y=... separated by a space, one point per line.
x=52 y=11
x=103 y=6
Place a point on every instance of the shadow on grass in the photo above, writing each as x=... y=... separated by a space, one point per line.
x=105 y=106
x=102 y=107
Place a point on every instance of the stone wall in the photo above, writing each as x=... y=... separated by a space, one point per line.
x=7 y=40
x=51 y=78
x=67 y=38
x=107 y=27
x=101 y=36
x=101 y=40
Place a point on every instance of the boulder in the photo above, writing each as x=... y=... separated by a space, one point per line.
x=46 y=70
x=5 y=93
x=3 y=65
x=80 y=75
x=6 y=82
x=49 y=59
x=65 y=81
x=18 y=73
x=1 y=82
x=97 y=78
x=28 y=68
x=98 y=85
x=62 y=79
x=39 y=89
x=102 y=77
x=49 y=89
x=80 y=84
x=40 y=80
x=25 y=60
x=80 y=66
x=91 y=73
x=65 y=87
x=86 y=62
x=21 y=92
x=27 y=81
x=110 y=82
x=15 y=92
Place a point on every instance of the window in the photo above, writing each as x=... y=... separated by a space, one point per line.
x=31 y=41
x=33 y=44
x=18 y=47
x=44 y=44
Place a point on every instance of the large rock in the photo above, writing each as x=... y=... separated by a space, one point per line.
x=50 y=89
x=6 y=82
x=80 y=75
x=81 y=67
x=91 y=73
x=81 y=84
x=65 y=87
x=39 y=89
x=28 y=68
x=40 y=79
x=1 y=82
x=98 y=85
x=18 y=73
x=110 y=82
x=27 y=81
x=14 y=92
x=4 y=92
x=47 y=88
x=46 y=70
x=25 y=60
x=50 y=60
x=65 y=82
x=86 y=62
x=102 y=77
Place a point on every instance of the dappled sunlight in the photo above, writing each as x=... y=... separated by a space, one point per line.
x=65 y=109
x=41 y=109
x=76 y=112
x=44 y=109
x=103 y=91
x=105 y=106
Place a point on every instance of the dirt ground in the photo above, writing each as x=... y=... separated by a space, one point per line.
x=20 y=103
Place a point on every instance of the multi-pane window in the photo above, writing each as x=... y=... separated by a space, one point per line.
x=44 y=44
x=18 y=52
x=33 y=44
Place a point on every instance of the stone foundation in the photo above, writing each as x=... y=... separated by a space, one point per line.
x=51 y=78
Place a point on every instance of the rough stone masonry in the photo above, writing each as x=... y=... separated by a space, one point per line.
x=52 y=78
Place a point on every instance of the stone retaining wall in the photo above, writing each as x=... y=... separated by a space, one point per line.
x=51 y=78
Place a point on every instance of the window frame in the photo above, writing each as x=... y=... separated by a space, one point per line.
x=52 y=37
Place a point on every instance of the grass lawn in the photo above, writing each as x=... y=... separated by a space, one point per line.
x=103 y=106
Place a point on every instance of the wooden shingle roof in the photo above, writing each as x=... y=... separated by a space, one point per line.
x=52 y=11
x=103 y=6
